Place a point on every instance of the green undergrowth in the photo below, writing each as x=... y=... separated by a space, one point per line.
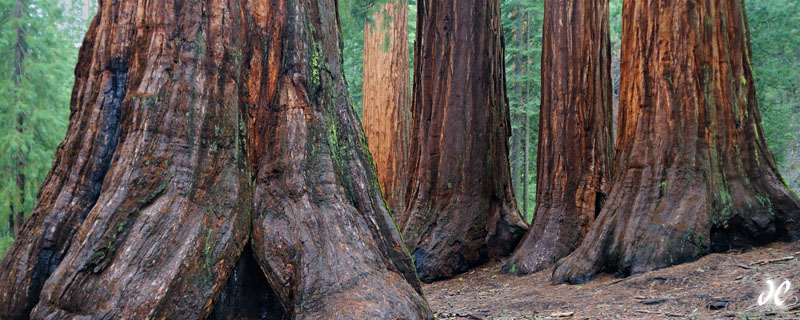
x=5 y=243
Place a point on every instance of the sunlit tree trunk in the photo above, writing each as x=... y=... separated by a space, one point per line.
x=212 y=157
x=386 y=98
x=460 y=207
x=693 y=173
x=574 y=155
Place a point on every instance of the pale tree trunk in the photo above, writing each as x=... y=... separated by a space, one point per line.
x=574 y=155
x=386 y=98
x=212 y=157
x=693 y=173
x=460 y=207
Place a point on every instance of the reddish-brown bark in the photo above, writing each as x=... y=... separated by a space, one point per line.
x=460 y=207
x=575 y=147
x=386 y=100
x=212 y=159
x=693 y=173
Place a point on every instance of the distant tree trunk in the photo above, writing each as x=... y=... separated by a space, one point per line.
x=11 y=226
x=525 y=164
x=460 y=206
x=516 y=153
x=212 y=156
x=18 y=211
x=86 y=7
x=693 y=173
x=386 y=98
x=526 y=133
x=791 y=167
x=516 y=115
x=574 y=155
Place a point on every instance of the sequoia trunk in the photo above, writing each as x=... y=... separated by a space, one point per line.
x=212 y=155
x=693 y=173
x=575 y=148
x=460 y=207
x=386 y=98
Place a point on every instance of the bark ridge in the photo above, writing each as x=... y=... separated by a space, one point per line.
x=575 y=146
x=213 y=168
x=693 y=173
x=460 y=208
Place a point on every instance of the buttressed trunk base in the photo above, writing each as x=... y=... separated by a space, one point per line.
x=213 y=168
x=575 y=147
x=693 y=173
x=460 y=208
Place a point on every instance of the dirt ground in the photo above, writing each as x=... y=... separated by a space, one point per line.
x=718 y=286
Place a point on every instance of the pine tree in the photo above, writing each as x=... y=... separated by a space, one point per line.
x=37 y=54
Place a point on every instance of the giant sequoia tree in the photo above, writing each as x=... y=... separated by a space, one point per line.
x=460 y=207
x=693 y=173
x=575 y=144
x=212 y=163
x=386 y=99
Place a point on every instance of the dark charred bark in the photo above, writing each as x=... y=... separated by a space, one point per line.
x=460 y=208
x=575 y=148
x=195 y=127
x=386 y=98
x=693 y=173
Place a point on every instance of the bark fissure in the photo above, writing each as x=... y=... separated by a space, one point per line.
x=213 y=168
x=694 y=174
x=460 y=208
x=387 y=99
x=574 y=155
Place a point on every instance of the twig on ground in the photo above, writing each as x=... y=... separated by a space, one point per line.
x=655 y=301
x=675 y=315
x=647 y=311
x=763 y=262
x=668 y=314
x=562 y=314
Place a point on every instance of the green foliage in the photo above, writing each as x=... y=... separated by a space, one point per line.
x=353 y=14
x=39 y=41
x=5 y=243
x=522 y=28
x=775 y=38
x=52 y=32
x=351 y=17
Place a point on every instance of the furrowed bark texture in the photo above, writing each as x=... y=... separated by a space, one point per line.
x=196 y=126
x=575 y=148
x=460 y=208
x=321 y=231
x=694 y=174
x=386 y=99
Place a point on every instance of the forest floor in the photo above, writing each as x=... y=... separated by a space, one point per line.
x=718 y=286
